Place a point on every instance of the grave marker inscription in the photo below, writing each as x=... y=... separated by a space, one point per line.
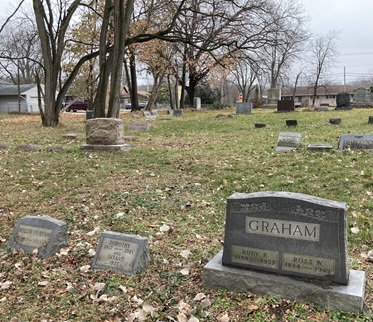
x=288 y=141
x=123 y=253
x=356 y=141
x=47 y=235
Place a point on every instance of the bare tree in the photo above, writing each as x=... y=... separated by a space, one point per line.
x=323 y=56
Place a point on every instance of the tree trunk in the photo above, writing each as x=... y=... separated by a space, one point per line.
x=133 y=90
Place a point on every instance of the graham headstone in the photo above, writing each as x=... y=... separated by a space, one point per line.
x=288 y=141
x=290 y=245
x=127 y=254
x=356 y=141
x=47 y=235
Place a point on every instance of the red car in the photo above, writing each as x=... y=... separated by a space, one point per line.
x=78 y=105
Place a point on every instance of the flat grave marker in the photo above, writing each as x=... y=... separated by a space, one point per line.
x=127 y=254
x=320 y=147
x=356 y=141
x=138 y=126
x=47 y=235
x=288 y=141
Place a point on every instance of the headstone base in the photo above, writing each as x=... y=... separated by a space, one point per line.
x=348 y=297
x=107 y=148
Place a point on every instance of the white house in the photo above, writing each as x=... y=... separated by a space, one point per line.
x=22 y=99
x=325 y=95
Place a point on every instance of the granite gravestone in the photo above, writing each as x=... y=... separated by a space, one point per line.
x=243 y=108
x=197 y=104
x=285 y=106
x=46 y=234
x=122 y=253
x=288 y=141
x=290 y=245
x=356 y=141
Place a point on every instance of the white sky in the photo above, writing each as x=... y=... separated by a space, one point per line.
x=353 y=18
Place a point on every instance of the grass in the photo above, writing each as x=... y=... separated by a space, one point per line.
x=179 y=173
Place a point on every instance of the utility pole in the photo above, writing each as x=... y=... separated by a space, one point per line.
x=344 y=78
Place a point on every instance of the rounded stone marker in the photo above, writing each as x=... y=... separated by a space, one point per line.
x=335 y=121
x=259 y=125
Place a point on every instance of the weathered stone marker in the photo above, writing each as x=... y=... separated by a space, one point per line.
x=105 y=134
x=320 y=147
x=335 y=121
x=288 y=141
x=138 y=126
x=127 y=254
x=300 y=239
x=356 y=141
x=291 y=123
x=243 y=108
x=46 y=234
x=260 y=125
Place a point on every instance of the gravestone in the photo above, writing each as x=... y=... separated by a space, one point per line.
x=335 y=121
x=105 y=134
x=243 y=108
x=138 y=126
x=343 y=100
x=273 y=96
x=154 y=112
x=288 y=141
x=356 y=141
x=289 y=245
x=177 y=113
x=47 y=235
x=147 y=113
x=197 y=104
x=285 y=106
x=260 y=125
x=320 y=147
x=70 y=136
x=127 y=254
x=291 y=123
x=370 y=119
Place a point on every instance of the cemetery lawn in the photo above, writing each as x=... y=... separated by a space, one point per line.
x=171 y=188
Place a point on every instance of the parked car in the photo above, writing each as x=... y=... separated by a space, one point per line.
x=78 y=105
x=128 y=106
x=143 y=104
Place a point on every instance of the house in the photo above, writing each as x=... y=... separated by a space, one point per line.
x=325 y=95
x=18 y=99
x=125 y=97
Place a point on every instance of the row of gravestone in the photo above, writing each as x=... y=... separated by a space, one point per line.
x=288 y=141
x=283 y=244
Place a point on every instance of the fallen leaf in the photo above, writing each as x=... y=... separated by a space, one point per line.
x=193 y=319
x=185 y=271
x=43 y=283
x=123 y=289
x=5 y=285
x=199 y=296
x=85 y=268
x=64 y=251
x=98 y=286
x=184 y=307
x=164 y=228
x=223 y=318
x=185 y=253
x=182 y=318
x=94 y=231
x=205 y=303
x=355 y=230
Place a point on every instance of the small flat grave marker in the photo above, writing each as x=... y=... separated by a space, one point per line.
x=127 y=254
x=291 y=123
x=260 y=125
x=335 y=121
x=177 y=113
x=370 y=120
x=138 y=126
x=146 y=113
x=46 y=234
x=356 y=141
x=154 y=112
x=320 y=147
x=288 y=141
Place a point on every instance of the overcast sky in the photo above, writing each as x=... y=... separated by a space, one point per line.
x=354 y=20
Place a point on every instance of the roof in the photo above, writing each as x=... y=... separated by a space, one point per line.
x=2 y=82
x=324 y=90
x=10 y=90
